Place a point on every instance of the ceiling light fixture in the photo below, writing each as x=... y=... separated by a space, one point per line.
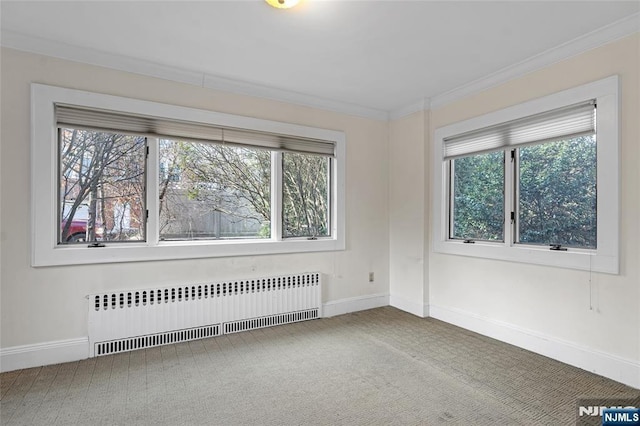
x=282 y=4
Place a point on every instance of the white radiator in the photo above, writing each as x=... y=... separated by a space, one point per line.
x=135 y=319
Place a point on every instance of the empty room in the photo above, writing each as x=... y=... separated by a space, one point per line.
x=320 y=212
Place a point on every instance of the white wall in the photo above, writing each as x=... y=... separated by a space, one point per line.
x=591 y=320
x=406 y=214
x=48 y=304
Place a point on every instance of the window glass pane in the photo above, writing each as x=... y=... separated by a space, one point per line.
x=558 y=193
x=478 y=197
x=305 y=195
x=210 y=191
x=102 y=186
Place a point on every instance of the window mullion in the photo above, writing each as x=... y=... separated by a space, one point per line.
x=449 y=185
x=509 y=195
x=331 y=217
x=153 y=191
x=515 y=167
x=276 y=195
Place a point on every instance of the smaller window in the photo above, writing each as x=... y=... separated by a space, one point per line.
x=535 y=183
x=306 y=196
x=477 y=211
x=557 y=193
x=554 y=175
x=102 y=186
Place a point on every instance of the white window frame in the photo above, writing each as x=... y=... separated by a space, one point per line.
x=605 y=258
x=44 y=186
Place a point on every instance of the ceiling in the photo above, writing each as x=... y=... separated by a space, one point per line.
x=380 y=55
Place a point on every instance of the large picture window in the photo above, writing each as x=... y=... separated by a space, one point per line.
x=535 y=183
x=211 y=191
x=118 y=179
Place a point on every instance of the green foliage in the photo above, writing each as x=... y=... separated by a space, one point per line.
x=556 y=188
x=478 y=210
x=558 y=193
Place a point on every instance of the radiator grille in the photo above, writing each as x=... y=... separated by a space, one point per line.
x=253 y=323
x=158 y=339
x=135 y=319
x=135 y=298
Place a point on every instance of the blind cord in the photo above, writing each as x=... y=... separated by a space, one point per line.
x=590 y=284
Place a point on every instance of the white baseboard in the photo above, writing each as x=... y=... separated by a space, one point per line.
x=616 y=368
x=416 y=308
x=27 y=356
x=354 y=304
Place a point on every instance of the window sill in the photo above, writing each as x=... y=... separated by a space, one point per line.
x=581 y=259
x=176 y=250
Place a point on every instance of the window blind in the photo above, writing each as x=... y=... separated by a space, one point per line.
x=563 y=123
x=112 y=121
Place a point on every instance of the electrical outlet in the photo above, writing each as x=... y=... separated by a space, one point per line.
x=371 y=277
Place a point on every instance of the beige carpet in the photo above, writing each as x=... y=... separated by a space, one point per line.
x=375 y=367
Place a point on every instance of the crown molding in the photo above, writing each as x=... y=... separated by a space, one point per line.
x=599 y=37
x=592 y=40
x=259 y=91
x=84 y=55
x=604 y=35
x=417 y=106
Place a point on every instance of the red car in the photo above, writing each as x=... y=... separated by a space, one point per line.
x=78 y=228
